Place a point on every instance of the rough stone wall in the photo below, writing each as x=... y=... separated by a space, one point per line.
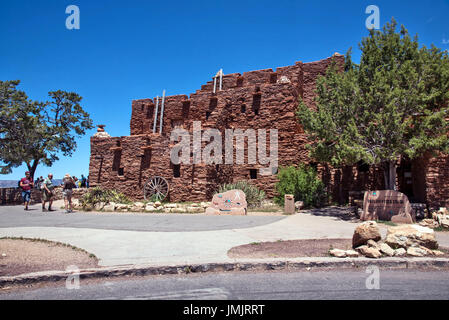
x=262 y=99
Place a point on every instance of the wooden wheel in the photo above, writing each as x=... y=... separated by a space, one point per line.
x=155 y=189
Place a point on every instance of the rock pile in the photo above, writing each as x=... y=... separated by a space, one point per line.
x=439 y=219
x=156 y=207
x=410 y=240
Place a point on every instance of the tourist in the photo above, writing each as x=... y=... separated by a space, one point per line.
x=47 y=192
x=83 y=181
x=75 y=181
x=26 y=184
x=87 y=182
x=67 y=191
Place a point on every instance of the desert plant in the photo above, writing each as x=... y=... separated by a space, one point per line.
x=253 y=195
x=302 y=182
x=96 y=195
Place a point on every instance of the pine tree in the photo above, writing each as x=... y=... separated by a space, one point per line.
x=393 y=104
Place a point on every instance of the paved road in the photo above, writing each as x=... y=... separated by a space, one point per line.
x=15 y=216
x=336 y=284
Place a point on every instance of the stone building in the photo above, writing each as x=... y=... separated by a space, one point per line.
x=262 y=99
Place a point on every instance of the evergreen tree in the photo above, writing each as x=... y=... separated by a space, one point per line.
x=393 y=104
x=34 y=132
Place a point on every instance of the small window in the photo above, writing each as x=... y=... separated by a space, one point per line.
x=150 y=112
x=121 y=171
x=273 y=78
x=240 y=82
x=243 y=108
x=256 y=103
x=253 y=173
x=207 y=114
x=185 y=109
x=176 y=170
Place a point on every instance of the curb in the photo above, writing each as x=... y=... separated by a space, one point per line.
x=251 y=265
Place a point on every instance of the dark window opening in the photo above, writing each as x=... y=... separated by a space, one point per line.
x=273 y=78
x=176 y=170
x=150 y=112
x=243 y=108
x=213 y=103
x=207 y=114
x=240 y=82
x=185 y=109
x=142 y=107
x=253 y=173
x=121 y=171
x=117 y=143
x=362 y=166
x=256 y=103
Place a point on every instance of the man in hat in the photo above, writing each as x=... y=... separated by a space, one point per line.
x=47 y=192
x=26 y=184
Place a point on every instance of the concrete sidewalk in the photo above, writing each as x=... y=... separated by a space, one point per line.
x=125 y=247
x=120 y=247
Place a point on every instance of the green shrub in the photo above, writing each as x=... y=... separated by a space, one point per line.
x=96 y=195
x=253 y=195
x=302 y=182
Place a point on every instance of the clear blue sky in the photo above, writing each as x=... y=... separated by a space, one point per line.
x=134 y=49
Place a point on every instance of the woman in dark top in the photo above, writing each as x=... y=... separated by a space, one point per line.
x=67 y=192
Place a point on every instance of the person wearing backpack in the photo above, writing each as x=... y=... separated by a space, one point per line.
x=67 y=191
x=47 y=192
x=26 y=184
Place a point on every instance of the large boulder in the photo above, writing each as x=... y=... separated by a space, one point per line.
x=411 y=235
x=232 y=202
x=366 y=231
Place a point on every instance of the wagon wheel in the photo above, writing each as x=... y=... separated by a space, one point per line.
x=156 y=187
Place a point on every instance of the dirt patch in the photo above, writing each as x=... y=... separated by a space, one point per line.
x=289 y=248
x=27 y=255
x=297 y=248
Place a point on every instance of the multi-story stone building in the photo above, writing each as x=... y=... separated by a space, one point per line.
x=262 y=99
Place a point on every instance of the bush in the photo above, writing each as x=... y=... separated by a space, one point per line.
x=96 y=195
x=302 y=182
x=253 y=195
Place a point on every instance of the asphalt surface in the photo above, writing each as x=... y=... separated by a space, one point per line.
x=15 y=216
x=310 y=285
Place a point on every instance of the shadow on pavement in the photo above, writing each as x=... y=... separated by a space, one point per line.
x=340 y=213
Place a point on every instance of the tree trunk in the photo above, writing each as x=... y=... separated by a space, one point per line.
x=32 y=168
x=390 y=175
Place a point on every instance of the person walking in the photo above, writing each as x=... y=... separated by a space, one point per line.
x=83 y=181
x=67 y=191
x=47 y=192
x=26 y=184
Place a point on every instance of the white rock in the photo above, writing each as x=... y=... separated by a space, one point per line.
x=416 y=252
x=351 y=253
x=399 y=252
x=170 y=205
x=194 y=209
x=3 y=255
x=338 y=253
x=150 y=208
x=157 y=204
x=386 y=249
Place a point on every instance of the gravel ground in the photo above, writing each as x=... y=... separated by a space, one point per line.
x=26 y=256
x=294 y=248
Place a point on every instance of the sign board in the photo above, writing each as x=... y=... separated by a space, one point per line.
x=387 y=205
x=231 y=202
